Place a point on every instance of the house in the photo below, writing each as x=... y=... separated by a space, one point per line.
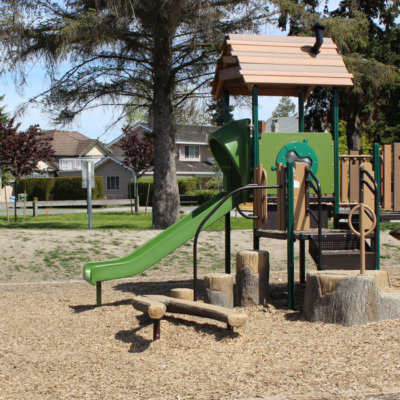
x=280 y=124
x=71 y=148
x=193 y=159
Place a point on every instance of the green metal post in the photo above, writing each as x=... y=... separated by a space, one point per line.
x=98 y=294
x=228 y=215
x=335 y=128
x=377 y=170
x=290 y=233
x=301 y=112
x=256 y=150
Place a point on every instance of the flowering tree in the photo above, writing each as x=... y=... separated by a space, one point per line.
x=138 y=151
x=20 y=152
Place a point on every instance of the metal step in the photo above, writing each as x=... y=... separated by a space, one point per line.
x=341 y=251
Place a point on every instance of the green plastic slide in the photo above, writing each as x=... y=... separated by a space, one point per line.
x=158 y=247
x=230 y=146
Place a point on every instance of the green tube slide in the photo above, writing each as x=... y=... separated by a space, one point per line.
x=229 y=146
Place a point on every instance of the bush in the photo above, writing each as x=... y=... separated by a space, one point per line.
x=204 y=195
x=212 y=184
x=186 y=186
x=36 y=187
x=70 y=188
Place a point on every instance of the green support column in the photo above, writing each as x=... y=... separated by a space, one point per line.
x=377 y=170
x=256 y=150
x=98 y=294
x=302 y=243
x=290 y=233
x=335 y=129
x=301 y=112
x=228 y=215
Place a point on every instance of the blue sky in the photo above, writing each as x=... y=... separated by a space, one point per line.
x=93 y=123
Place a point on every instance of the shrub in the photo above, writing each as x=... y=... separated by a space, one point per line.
x=70 y=188
x=36 y=187
x=204 y=195
x=186 y=186
x=212 y=184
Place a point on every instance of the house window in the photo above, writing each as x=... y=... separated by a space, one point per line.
x=192 y=152
x=112 y=182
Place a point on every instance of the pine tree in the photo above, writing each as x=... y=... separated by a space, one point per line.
x=285 y=108
x=216 y=109
x=3 y=115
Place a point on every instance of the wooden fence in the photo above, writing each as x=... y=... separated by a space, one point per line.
x=390 y=177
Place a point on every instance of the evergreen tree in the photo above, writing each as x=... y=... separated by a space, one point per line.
x=160 y=52
x=216 y=109
x=285 y=108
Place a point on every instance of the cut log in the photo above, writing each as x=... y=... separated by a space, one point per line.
x=219 y=290
x=154 y=309
x=348 y=299
x=178 y=306
x=183 y=294
x=252 y=277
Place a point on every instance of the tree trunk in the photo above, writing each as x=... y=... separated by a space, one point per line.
x=353 y=127
x=166 y=193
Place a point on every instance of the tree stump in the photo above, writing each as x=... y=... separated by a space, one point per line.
x=219 y=290
x=348 y=299
x=183 y=294
x=252 y=277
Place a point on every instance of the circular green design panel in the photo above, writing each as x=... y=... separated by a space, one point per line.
x=298 y=152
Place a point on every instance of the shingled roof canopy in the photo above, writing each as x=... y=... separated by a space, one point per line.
x=279 y=65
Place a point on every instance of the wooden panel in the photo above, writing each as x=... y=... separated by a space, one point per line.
x=369 y=197
x=293 y=73
x=260 y=198
x=278 y=44
x=387 y=176
x=354 y=178
x=284 y=39
x=258 y=79
x=230 y=73
x=229 y=60
x=293 y=68
x=301 y=55
x=281 y=196
x=261 y=92
x=282 y=50
x=301 y=220
x=291 y=61
x=344 y=181
x=396 y=177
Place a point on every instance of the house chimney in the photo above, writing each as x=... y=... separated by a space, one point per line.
x=275 y=125
x=262 y=126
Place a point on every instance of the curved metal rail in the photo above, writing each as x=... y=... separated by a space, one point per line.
x=196 y=237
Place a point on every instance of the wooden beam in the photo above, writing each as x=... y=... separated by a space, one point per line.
x=229 y=60
x=289 y=61
x=396 y=176
x=293 y=73
x=304 y=49
x=258 y=79
x=278 y=44
x=293 y=68
x=230 y=73
x=387 y=177
x=308 y=91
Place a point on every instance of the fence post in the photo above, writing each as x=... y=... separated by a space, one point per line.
x=396 y=177
x=35 y=207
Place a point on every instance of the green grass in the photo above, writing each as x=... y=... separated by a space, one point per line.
x=121 y=221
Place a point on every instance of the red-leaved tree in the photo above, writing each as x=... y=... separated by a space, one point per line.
x=138 y=151
x=20 y=152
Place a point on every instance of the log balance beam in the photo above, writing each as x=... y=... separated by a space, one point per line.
x=156 y=306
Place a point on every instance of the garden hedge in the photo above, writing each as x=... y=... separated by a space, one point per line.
x=69 y=188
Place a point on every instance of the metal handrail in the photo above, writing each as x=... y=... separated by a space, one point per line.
x=318 y=219
x=196 y=237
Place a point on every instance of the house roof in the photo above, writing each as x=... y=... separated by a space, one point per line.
x=70 y=143
x=279 y=65
x=286 y=124
x=184 y=133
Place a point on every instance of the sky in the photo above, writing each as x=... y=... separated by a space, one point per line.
x=93 y=123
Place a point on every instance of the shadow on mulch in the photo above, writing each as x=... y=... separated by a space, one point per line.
x=159 y=288
x=138 y=343
x=83 y=308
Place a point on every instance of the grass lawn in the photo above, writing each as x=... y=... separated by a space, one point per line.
x=106 y=221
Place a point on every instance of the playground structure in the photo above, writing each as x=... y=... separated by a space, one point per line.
x=302 y=169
